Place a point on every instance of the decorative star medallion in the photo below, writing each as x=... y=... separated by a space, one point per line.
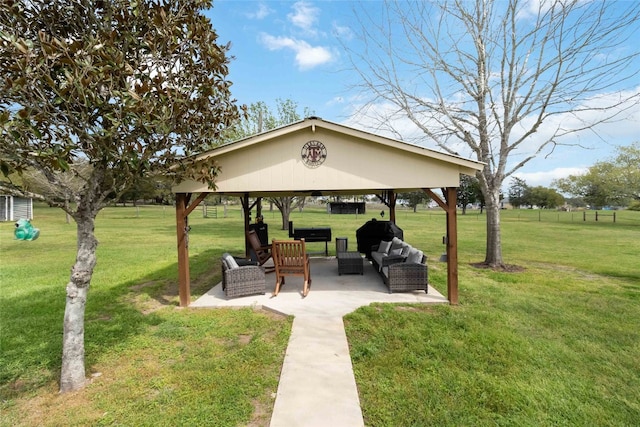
x=313 y=153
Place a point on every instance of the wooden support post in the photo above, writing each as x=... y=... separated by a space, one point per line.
x=182 y=225
x=246 y=214
x=452 y=246
x=183 y=209
x=389 y=197
x=449 y=206
x=392 y=206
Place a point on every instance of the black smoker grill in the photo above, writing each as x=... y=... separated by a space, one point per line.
x=262 y=230
x=372 y=232
x=322 y=234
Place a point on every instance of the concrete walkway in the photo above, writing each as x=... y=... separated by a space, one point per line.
x=317 y=386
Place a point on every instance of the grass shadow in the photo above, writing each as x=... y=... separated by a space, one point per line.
x=31 y=357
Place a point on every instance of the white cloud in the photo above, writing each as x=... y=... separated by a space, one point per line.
x=566 y=159
x=304 y=16
x=342 y=32
x=307 y=56
x=544 y=178
x=386 y=119
x=598 y=110
x=261 y=12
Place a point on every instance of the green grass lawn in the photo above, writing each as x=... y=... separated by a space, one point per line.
x=151 y=362
x=556 y=344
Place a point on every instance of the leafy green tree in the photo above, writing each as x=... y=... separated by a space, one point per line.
x=518 y=192
x=414 y=198
x=543 y=197
x=614 y=182
x=469 y=192
x=143 y=188
x=106 y=91
x=576 y=202
x=589 y=187
x=626 y=174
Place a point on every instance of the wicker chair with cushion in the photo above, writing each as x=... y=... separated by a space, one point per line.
x=239 y=281
x=389 y=252
x=410 y=275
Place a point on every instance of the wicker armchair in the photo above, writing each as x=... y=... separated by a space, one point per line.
x=407 y=277
x=238 y=281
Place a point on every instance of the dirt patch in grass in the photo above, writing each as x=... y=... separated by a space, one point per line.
x=151 y=296
x=205 y=281
x=261 y=414
x=49 y=407
x=572 y=270
x=154 y=295
x=504 y=268
x=244 y=339
x=406 y=308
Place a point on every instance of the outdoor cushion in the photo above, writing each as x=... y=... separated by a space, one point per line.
x=396 y=251
x=415 y=256
x=384 y=247
x=405 y=249
x=224 y=260
x=231 y=262
x=396 y=244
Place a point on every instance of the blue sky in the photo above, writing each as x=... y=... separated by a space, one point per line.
x=291 y=50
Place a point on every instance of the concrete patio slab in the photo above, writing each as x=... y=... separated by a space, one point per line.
x=317 y=387
x=330 y=294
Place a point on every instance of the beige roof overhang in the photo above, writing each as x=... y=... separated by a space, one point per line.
x=356 y=162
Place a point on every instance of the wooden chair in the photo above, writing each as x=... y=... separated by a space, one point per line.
x=291 y=259
x=262 y=252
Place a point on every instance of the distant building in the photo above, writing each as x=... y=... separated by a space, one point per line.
x=14 y=208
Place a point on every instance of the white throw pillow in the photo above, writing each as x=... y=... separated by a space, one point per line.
x=406 y=248
x=415 y=256
x=384 y=247
x=397 y=251
x=231 y=262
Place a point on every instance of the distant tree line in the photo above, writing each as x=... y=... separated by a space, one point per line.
x=614 y=182
x=520 y=194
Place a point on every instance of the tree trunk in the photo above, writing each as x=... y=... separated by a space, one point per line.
x=493 y=256
x=73 y=371
x=285 y=209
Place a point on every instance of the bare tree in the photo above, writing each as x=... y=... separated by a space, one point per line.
x=483 y=77
x=94 y=95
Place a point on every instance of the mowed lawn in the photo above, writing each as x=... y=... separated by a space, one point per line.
x=557 y=343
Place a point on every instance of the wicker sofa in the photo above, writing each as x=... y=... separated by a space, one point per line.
x=241 y=277
x=402 y=267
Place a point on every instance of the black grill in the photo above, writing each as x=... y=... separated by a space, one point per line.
x=322 y=234
x=372 y=232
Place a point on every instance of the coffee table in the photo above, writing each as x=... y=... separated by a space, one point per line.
x=350 y=263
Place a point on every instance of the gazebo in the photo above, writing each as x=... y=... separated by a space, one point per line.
x=319 y=157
